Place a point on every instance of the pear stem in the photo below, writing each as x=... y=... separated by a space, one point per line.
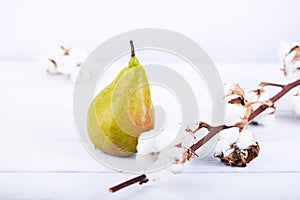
x=132 y=49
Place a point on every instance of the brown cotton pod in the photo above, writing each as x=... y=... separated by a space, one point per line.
x=240 y=157
x=253 y=152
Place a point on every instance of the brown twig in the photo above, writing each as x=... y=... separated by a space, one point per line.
x=213 y=130
x=263 y=84
x=139 y=179
x=285 y=89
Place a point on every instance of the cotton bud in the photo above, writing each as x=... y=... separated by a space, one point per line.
x=223 y=149
x=245 y=139
x=290 y=57
x=230 y=135
x=63 y=60
x=227 y=137
x=236 y=148
x=235 y=107
x=234 y=113
x=161 y=147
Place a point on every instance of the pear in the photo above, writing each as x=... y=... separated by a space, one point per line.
x=122 y=111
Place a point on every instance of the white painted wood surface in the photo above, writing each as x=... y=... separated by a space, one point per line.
x=41 y=156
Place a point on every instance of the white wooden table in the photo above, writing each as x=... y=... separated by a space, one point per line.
x=41 y=156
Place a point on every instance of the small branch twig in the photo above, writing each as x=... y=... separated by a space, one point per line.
x=263 y=84
x=139 y=179
x=285 y=89
x=213 y=130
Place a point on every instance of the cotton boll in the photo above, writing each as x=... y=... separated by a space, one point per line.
x=162 y=159
x=49 y=66
x=224 y=145
x=62 y=60
x=290 y=57
x=52 y=61
x=292 y=67
x=296 y=104
x=245 y=140
x=173 y=169
x=55 y=51
x=233 y=114
x=236 y=148
x=230 y=135
x=222 y=148
x=235 y=107
x=147 y=146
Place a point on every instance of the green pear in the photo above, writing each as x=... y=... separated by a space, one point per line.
x=122 y=111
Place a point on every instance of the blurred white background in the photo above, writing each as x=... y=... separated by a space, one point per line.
x=230 y=31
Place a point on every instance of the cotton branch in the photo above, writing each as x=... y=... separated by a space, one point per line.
x=285 y=89
x=213 y=130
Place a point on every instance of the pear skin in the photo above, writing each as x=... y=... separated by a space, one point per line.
x=122 y=111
